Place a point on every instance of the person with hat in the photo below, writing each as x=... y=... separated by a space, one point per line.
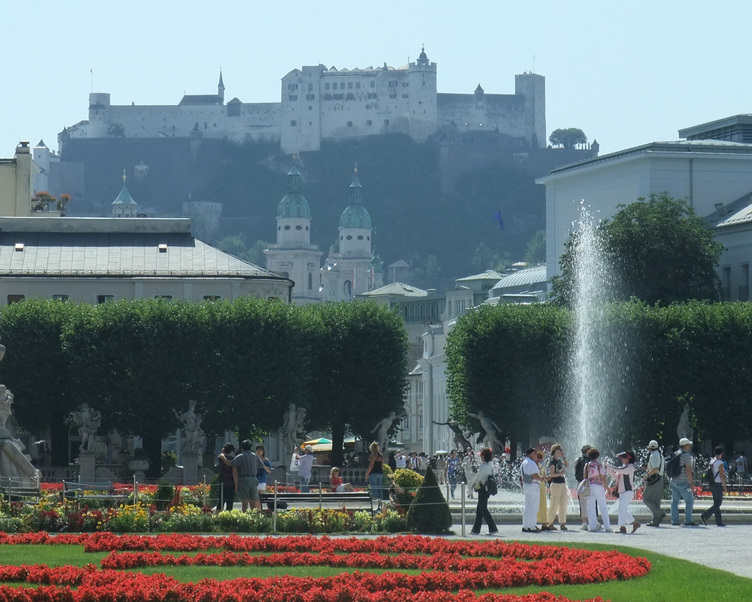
x=579 y=475
x=653 y=492
x=531 y=490
x=682 y=486
x=305 y=468
x=624 y=476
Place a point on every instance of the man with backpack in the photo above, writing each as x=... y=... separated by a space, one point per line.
x=682 y=483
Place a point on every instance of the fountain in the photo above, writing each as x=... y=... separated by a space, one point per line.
x=593 y=373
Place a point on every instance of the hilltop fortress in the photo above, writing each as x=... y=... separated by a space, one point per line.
x=329 y=104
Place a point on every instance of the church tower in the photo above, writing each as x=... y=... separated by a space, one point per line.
x=221 y=89
x=293 y=255
x=352 y=269
x=124 y=205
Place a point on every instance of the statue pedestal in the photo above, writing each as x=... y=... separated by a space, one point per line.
x=190 y=468
x=87 y=464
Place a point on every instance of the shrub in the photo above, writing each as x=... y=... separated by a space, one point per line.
x=244 y=522
x=9 y=524
x=164 y=495
x=429 y=512
x=406 y=483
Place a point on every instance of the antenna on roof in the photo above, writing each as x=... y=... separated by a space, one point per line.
x=533 y=63
x=91 y=73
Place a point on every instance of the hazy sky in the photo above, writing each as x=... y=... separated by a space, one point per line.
x=627 y=73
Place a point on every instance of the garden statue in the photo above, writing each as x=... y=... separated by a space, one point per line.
x=88 y=421
x=460 y=441
x=683 y=428
x=194 y=439
x=382 y=431
x=490 y=429
x=14 y=465
x=294 y=427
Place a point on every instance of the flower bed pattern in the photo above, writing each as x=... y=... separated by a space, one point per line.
x=453 y=569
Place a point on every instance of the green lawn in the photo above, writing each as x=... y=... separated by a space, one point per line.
x=669 y=580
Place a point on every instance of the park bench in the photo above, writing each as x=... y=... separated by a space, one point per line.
x=83 y=492
x=286 y=499
x=13 y=489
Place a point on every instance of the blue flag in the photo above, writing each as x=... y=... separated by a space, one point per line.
x=497 y=217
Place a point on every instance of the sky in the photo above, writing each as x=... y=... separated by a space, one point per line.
x=626 y=73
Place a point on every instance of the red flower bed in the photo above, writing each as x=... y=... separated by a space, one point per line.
x=452 y=570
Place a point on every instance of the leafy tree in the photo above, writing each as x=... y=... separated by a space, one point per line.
x=661 y=252
x=535 y=252
x=500 y=360
x=360 y=372
x=139 y=361
x=567 y=137
x=35 y=369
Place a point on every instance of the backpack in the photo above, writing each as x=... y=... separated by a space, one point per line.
x=491 y=486
x=709 y=475
x=673 y=466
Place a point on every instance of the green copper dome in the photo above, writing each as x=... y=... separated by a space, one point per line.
x=293 y=204
x=355 y=216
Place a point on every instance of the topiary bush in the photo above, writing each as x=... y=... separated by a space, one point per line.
x=406 y=483
x=429 y=512
x=164 y=495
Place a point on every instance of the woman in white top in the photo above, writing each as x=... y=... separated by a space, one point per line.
x=624 y=476
x=717 y=487
x=596 y=475
x=482 y=513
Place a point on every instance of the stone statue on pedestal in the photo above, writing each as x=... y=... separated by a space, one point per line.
x=293 y=427
x=489 y=436
x=683 y=429
x=194 y=439
x=88 y=421
x=382 y=431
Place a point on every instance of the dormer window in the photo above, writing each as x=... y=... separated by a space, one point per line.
x=163 y=248
x=19 y=247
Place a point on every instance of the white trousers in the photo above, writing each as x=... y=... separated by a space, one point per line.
x=625 y=518
x=532 y=503
x=597 y=496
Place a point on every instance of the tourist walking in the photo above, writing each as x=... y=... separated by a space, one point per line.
x=579 y=475
x=595 y=473
x=305 y=468
x=557 y=505
x=682 y=486
x=717 y=488
x=453 y=471
x=653 y=491
x=542 y=515
x=531 y=490
x=226 y=479
x=481 y=513
x=375 y=473
x=624 y=476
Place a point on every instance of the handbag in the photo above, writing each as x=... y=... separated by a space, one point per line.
x=491 y=486
x=583 y=488
x=653 y=478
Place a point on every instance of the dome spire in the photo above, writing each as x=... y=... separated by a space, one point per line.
x=355 y=187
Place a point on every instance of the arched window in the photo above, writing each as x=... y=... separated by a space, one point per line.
x=347 y=289
x=310 y=281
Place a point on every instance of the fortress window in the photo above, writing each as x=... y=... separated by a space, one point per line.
x=310 y=96
x=342 y=86
x=369 y=122
x=298 y=227
x=386 y=122
x=349 y=85
x=393 y=95
x=310 y=107
x=350 y=96
x=292 y=86
x=310 y=87
x=392 y=84
x=327 y=96
x=293 y=123
x=337 y=96
x=357 y=85
x=287 y=227
x=205 y=125
x=326 y=86
x=373 y=84
x=404 y=96
x=104 y=299
x=349 y=237
x=372 y=95
x=349 y=124
x=368 y=238
x=360 y=237
x=405 y=84
x=293 y=97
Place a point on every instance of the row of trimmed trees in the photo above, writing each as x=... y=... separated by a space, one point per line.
x=512 y=363
x=243 y=362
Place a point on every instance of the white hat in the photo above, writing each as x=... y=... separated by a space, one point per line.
x=653 y=444
x=684 y=441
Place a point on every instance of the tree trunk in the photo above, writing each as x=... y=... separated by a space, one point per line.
x=153 y=448
x=59 y=441
x=338 y=440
